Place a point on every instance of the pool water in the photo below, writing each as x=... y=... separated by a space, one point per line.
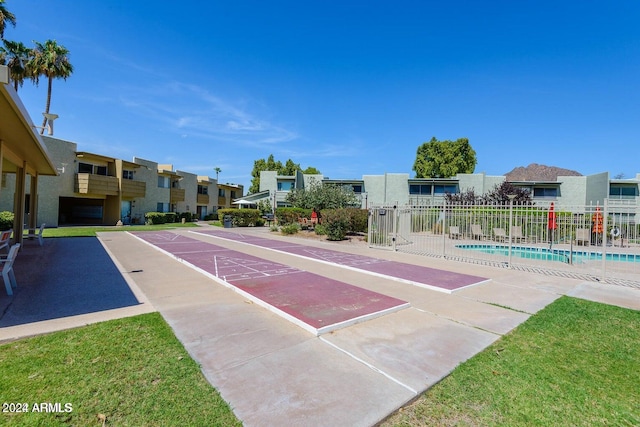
x=546 y=254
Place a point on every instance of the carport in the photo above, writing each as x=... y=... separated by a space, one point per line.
x=22 y=153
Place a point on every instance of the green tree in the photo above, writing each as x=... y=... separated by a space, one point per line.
x=311 y=171
x=17 y=56
x=49 y=60
x=323 y=196
x=270 y=164
x=444 y=159
x=218 y=170
x=6 y=18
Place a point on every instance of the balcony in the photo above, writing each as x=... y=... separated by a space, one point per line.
x=133 y=189
x=176 y=195
x=202 y=199
x=88 y=183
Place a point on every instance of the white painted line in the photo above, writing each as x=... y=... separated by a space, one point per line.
x=348 y=267
x=370 y=366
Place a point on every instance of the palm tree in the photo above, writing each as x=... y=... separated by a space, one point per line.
x=6 y=17
x=218 y=170
x=16 y=55
x=52 y=61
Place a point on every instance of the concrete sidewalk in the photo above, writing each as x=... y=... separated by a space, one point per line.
x=273 y=372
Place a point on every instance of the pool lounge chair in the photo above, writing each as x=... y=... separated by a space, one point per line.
x=477 y=233
x=516 y=234
x=583 y=236
x=499 y=235
x=454 y=232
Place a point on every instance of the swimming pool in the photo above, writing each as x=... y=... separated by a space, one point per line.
x=546 y=254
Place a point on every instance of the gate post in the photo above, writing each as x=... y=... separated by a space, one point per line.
x=396 y=218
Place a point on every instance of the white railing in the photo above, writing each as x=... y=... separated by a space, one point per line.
x=589 y=241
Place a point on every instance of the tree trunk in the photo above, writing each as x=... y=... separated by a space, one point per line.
x=46 y=108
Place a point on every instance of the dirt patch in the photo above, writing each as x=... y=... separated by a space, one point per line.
x=350 y=239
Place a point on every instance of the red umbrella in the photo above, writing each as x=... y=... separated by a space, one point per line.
x=597 y=221
x=551 y=218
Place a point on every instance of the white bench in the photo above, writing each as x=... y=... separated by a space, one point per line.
x=7 y=269
x=37 y=234
x=5 y=239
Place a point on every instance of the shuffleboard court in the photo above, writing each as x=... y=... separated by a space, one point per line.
x=314 y=302
x=431 y=278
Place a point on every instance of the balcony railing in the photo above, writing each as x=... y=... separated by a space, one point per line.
x=87 y=183
x=176 y=195
x=202 y=199
x=133 y=189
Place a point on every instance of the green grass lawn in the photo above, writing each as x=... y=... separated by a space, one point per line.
x=90 y=231
x=131 y=371
x=575 y=363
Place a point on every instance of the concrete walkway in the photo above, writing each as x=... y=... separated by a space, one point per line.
x=273 y=372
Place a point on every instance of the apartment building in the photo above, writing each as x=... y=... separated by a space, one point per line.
x=96 y=189
x=399 y=189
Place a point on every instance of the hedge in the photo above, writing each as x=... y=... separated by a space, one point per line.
x=6 y=220
x=242 y=217
x=154 y=218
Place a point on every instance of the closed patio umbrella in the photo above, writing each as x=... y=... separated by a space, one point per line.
x=597 y=225
x=551 y=223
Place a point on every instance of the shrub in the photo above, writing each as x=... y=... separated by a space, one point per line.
x=187 y=216
x=242 y=217
x=289 y=229
x=6 y=220
x=154 y=218
x=320 y=230
x=291 y=215
x=339 y=222
x=171 y=217
x=337 y=228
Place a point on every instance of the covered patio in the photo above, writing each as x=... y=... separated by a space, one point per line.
x=22 y=153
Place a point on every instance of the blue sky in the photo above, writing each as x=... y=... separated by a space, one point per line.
x=349 y=87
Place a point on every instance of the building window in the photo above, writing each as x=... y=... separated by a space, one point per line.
x=420 y=189
x=101 y=170
x=445 y=189
x=85 y=168
x=285 y=186
x=357 y=189
x=220 y=192
x=127 y=174
x=233 y=194
x=203 y=189
x=163 y=182
x=545 y=192
x=162 y=207
x=623 y=191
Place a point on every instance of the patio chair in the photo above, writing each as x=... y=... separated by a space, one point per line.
x=454 y=232
x=499 y=235
x=516 y=234
x=37 y=234
x=476 y=232
x=7 y=269
x=583 y=236
x=5 y=239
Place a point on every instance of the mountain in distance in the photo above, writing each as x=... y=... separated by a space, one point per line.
x=536 y=172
